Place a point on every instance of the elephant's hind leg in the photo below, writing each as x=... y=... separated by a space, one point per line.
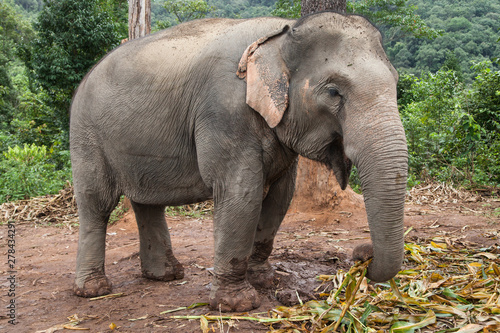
x=94 y=207
x=157 y=259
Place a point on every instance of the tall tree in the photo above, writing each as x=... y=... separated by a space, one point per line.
x=314 y=6
x=139 y=18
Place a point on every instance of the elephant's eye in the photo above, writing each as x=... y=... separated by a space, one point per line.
x=333 y=92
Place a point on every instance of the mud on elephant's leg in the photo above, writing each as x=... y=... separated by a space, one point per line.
x=157 y=258
x=91 y=280
x=231 y=292
x=274 y=207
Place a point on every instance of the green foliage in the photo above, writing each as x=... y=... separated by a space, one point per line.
x=404 y=88
x=287 y=9
x=354 y=181
x=484 y=99
x=30 y=5
x=7 y=99
x=34 y=123
x=165 y=14
x=452 y=132
x=241 y=8
x=483 y=105
x=118 y=212
x=470 y=34
x=8 y=36
x=118 y=12
x=13 y=31
x=26 y=173
x=451 y=63
x=34 y=100
x=394 y=13
x=198 y=211
x=72 y=35
x=430 y=120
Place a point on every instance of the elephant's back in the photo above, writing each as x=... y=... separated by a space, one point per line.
x=162 y=62
x=155 y=55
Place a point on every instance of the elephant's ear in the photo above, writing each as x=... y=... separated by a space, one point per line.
x=267 y=78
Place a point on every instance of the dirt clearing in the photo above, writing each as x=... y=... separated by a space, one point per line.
x=308 y=244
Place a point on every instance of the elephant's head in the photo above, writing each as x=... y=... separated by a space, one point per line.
x=327 y=88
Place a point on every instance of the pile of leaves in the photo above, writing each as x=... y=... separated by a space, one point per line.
x=447 y=286
x=59 y=208
x=439 y=193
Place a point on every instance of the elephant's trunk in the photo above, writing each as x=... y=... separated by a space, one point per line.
x=378 y=149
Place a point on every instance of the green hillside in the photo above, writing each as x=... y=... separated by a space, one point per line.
x=470 y=34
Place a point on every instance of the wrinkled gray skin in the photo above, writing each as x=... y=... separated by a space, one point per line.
x=220 y=109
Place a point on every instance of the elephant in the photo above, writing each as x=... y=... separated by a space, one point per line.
x=221 y=109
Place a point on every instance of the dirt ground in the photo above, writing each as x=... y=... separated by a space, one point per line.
x=308 y=244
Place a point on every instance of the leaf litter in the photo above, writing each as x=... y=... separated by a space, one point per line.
x=59 y=208
x=446 y=286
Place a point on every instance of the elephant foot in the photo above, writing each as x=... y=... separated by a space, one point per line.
x=165 y=273
x=95 y=285
x=233 y=297
x=261 y=276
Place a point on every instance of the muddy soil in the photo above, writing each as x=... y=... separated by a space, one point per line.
x=307 y=245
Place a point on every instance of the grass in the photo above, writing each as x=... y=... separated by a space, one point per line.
x=198 y=210
x=118 y=212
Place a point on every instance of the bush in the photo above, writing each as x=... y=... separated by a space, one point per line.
x=453 y=133
x=27 y=172
x=484 y=98
x=430 y=118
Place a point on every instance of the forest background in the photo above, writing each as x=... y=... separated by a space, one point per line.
x=446 y=52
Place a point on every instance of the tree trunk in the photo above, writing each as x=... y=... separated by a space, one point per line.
x=316 y=187
x=139 y=18
x=313 y=6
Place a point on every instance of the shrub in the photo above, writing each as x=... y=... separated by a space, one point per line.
x=453 y=133
x=26 y=172
x=430 y=118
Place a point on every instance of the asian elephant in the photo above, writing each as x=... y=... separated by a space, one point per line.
x=221 y=108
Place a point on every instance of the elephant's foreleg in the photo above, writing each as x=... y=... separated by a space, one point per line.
x=274 y=208
x=237 y=210
x=157 y=259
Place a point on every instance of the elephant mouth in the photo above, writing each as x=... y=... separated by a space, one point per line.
x=343 y=171
x=338 y=161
